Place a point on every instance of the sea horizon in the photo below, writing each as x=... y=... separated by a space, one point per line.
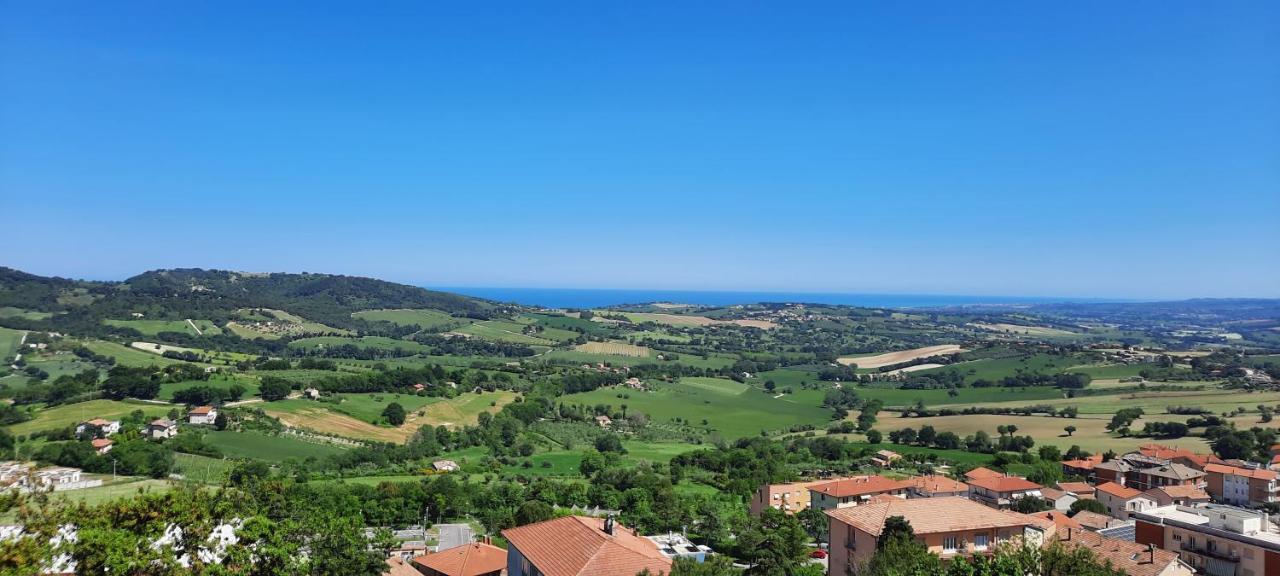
x=604 y=297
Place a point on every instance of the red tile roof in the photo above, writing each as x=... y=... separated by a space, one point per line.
x=1182 y=491
x=929 y=515
x=1246 y=472
x=1076 y=488
x=1129 y=557
x=397 y=567
x=937 y=484
x=1005 y=484
x=201 y=410
x=981 y=472
x=1092 y=520
x=860 y=486
x=1119 y=491
x=1059 y=519
x=99 y=443
x=472 y=559
x=578 y=545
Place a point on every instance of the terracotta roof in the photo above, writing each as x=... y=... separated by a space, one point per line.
x=467 y=560
x=929 y=515
x=1092 y=520
x=1059 y=519
x=1246 y=472
x=163 y=422
x=982 y=472
x=201 y=410
x=1182 y=491
x=99 y=422
x=859 y=486
x=397 y=567
x=1119 y=491
x=1052 y=493
x=1084 y=463
x=98 y=443
x=575 y=545
x=1129 y=557
x=1005 y=484
x=1076 y=488
x=935 y=484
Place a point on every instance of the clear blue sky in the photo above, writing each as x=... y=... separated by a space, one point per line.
x=1112 y=149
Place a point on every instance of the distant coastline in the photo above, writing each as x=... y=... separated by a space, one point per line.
x=596 y=298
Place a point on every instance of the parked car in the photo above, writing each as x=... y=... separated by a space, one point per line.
x=818 y=554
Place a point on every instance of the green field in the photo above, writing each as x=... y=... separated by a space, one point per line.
x=715 y=385
x=11 y=312
x=203 y=469
x=269 y=448
x=9 y=340
x=376 y=342
x=503 y=331
x=58 y=365
x=154 y=327
x=426 y=319
x=71 y=414
x=220 y=382
x=127 y=356
x=126 y=487
x=965 y=396
x=369 y=407
x=576 y=357
x=731 y=415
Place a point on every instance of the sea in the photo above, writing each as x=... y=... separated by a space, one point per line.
x=599 y=297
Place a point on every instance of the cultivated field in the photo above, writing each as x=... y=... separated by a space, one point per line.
x=154 y=327
x=329 y=419
x=71 y=414
x=890 y=358
x=126 y=355
x=1024 y=330
x=269 y=448
x=425 y=318
x=692 y=320
x=614 y=349
x=502 y=331
x=1090 y=434
x=9 y=340
x=376 y=342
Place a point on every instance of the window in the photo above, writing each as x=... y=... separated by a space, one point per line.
x=949 y=544
x=1177 y=537
x=980 y=541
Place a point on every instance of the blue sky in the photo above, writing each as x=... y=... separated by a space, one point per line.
x=1064 y=149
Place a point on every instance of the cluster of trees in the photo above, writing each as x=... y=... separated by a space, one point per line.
x=920 y=411
x=980 y=441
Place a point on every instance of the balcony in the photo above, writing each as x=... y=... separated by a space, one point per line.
x=1207 y=553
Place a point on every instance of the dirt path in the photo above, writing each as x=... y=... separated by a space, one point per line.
x=194 y=327
x=890 y=358
x=258 y=399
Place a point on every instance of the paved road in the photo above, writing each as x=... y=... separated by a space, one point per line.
x=454 y=535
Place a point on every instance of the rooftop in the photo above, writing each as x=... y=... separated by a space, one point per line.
x=1005 y=484
x=1119 y=491
x=201 y=410
x=937 y=484
x=1175 y=471
x=575 y=545
x=860 y=485
x=1228 y=521
x=1092 y=520
x=1256 y=473
x=930 y=515
x=1076 y=488
x=469 y=560
x=982 y=472
x=1182 y=491
x=1132 y=558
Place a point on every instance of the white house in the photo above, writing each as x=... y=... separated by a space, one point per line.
x=108 y=427
x=445 y=466
x=1122 y=500
x=55 y=476
x=202 y=415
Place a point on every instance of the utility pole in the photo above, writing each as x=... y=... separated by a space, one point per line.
x=113 y=470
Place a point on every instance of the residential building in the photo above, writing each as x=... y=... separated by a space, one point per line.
x=982 y=472
x=1082 y=467
x=474 y=559
x=1164 y=475
x=604 y=421
x=1060 y=499
x=936 y=487
x=1081 y=490
x=1241 y=486
x=1094 y=521
x=885 y=458
x=1179 y=456
x=162 y=428
x=847 y=492
x=1059 y=519
x=789 y=498
x=1181 y=495
x=1213 y=539
x=101 y=445
x=204 y=415
x=398 y=567
x=104 y=426
x=1001 y=491
x=1132 y=558
x=581 y=545
x=1122 y=500
x=1115 y=471
x=445 y=466
x=946 y=526
x=311 y=394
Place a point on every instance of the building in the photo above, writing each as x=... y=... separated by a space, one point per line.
x=1060 y=499
x=398 y=567
x=674 y=546
x=981 y=472
x=1115 y=471
x=1179 y=456
x=1132 y=558
x=162 y=428
x=103 y=426
x=1081 y=467
x=604 y=421
x=1241 y=486
x=1001 y=491
x=936 y=487
x=1214 y=539
x=55 y=476
x=1081 y=490
x=789 y=498
x=1059 y=519
x=202 y=415
x=847 y=492
x=474 y=559
x=445 y=466
x=1173 y=474
x=1122 y=500
x=581 y=545
x=1181 y=495
x=946 y=526
x=311 y=394
x=885 y=458
x=101 y=445
x=1095 y=521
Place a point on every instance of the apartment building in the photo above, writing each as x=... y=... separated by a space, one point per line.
x=847 y=492
x=1214 y=539
x=1121 y=501
x=789 y=498
x=1001 y=491
x=1241 y=486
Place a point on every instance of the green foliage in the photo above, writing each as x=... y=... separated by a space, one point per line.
x=1086 y=504
x=273 y=388
x=394 y=413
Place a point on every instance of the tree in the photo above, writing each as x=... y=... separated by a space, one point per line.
x=1234 y=444
x=610 y=443
x=774 y=544
x=394 y=413
x=895 y=527
x=717 y=565
x=534 y=511
x=814 y=522
x=1070 y=430
x=273 y=388
x=1046 y=473
x=220 y=422
x=874 y=436
x=235 y=392
x=1030 y=504
x=1086 y=504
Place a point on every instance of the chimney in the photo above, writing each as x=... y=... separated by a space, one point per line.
x=608 y=525
x=1068 y=539
x=1151 y=552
